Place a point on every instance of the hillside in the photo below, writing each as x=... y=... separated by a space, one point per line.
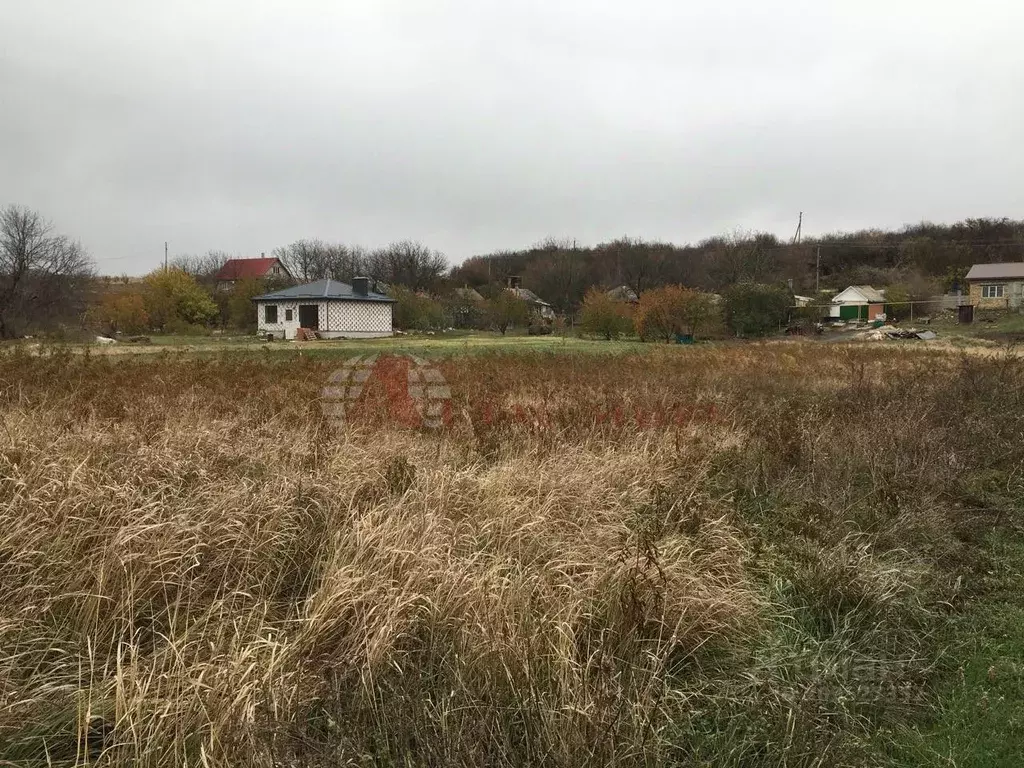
x=929 y=256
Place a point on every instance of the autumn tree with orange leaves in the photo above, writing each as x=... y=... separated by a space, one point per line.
x=664 y=313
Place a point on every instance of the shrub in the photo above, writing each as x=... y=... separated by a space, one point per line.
x=174 y=297
x=605 y=316
x=241 y=312
x=753 y=309
x=413 y=312
x=120 y=312
x=898 y=298
x=666 y=312
x=505 y=310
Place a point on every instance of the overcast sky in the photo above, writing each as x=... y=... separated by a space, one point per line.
x=476 y=125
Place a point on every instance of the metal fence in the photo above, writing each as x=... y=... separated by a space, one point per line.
x=922 y=308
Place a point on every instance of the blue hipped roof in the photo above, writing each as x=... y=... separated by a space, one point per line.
x=322 y=289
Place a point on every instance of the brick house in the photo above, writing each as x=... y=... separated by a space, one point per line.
x=996 y=286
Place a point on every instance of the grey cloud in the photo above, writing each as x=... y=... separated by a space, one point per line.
x=481 y=125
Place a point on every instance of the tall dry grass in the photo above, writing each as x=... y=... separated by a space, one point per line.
x=199 y=569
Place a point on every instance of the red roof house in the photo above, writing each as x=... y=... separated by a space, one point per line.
x=250 y=269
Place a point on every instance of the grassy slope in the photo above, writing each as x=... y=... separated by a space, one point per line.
x=979 y=715
x=800 y=551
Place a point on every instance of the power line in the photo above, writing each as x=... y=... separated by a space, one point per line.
x=887 y=246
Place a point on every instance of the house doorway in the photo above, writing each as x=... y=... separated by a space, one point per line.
x=309 y=316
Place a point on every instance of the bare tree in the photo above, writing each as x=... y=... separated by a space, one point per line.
x=201 y=267
x=343 y=262
x=408 y=264
x=309 y=260
x=44 y=277
x=304 y=259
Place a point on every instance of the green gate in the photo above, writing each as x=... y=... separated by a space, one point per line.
x=853 y=312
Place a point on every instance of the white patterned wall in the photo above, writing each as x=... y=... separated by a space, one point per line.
x=360 y=316
x=337 y=317
x=280 y=326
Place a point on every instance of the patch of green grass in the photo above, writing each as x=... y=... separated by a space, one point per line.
x=181 y=340
x=979 y=714
x=450 y=344
x=1003 y=324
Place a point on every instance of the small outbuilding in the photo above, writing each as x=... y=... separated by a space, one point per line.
x=330 y=308
x=858 y=302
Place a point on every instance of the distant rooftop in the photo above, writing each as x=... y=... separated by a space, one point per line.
x=624 y=293
x=529 y=296
x=1005 y=271
x=243 y=269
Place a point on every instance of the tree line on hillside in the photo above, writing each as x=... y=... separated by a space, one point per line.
x=48 y=281
x=924 y=258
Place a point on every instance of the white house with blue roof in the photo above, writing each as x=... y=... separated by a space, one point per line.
x=329 y=308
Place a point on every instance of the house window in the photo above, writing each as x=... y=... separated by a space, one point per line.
x=992 y=291
x=270 y=314
x=287 y=315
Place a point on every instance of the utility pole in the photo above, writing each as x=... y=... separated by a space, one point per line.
x=165 y=255
x=799 y=229
x=817 y=272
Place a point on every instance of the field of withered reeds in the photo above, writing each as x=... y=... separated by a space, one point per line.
x=742 y=555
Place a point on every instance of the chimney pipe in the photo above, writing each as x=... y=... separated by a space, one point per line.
x=513 y=282
x=360 y=286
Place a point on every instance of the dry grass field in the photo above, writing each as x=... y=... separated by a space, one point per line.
x=745 y=555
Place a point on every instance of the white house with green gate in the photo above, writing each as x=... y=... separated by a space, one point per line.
x=858 y=302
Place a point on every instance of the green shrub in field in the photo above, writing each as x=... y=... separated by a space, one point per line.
x=174 y=298
x=605 y=316
x=413 y=312
x=505 y=310
x=120 y=312
x=754 y=309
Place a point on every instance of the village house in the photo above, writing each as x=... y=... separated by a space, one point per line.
x=465 y=307
x=624 y=293
x=858 y=302
x=996 y=286
x=325 y=309
x=469 y=295
x=537 y=305
x=235 y=270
